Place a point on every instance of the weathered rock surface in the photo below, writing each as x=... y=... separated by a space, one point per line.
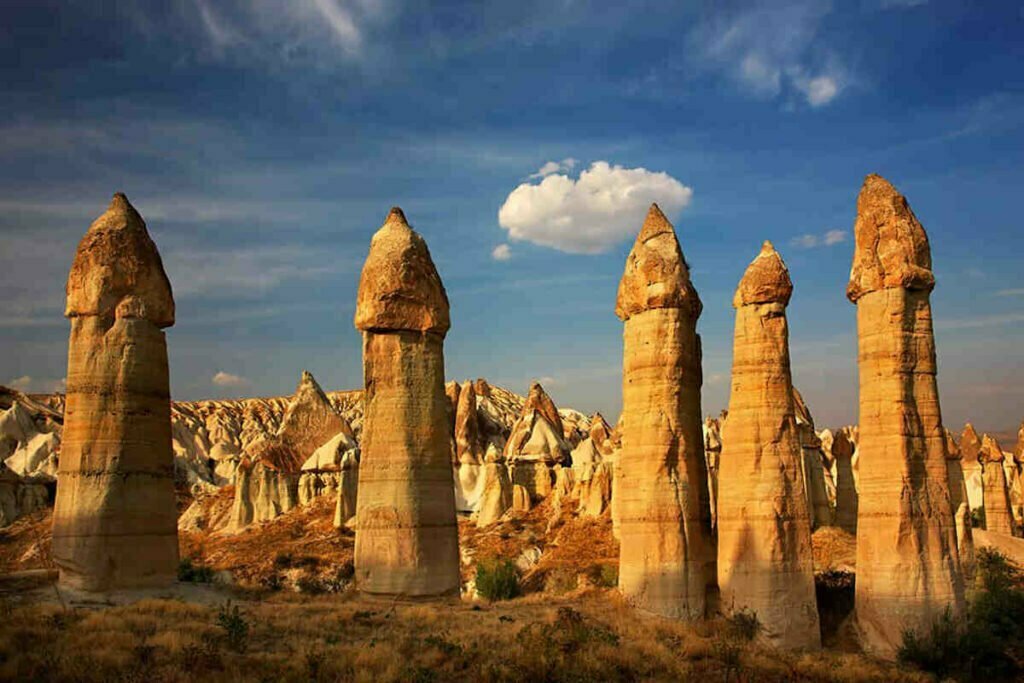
x=818 y=482
x=667 y=556
x=961 y=510
x=406 y=537
x=536 y=443
x=844 y=450
x=970 y=462
x=115 y=520
x=908 y=568
x=712 y=454
x=998 y=512
x=765 y=563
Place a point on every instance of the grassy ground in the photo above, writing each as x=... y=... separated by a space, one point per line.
x=584 y=636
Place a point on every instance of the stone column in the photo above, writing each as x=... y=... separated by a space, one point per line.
x=667 y=556
x=115 y=519
x=908 y=570
x=998 y=511
x=843 y=449
x=961 y=510
x=765 y=563
x=406 y=537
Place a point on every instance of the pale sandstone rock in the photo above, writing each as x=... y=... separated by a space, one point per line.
x=470 y=450
x=843 y=449
x=667 y=552
x=406 y=535
x=765 y=563
x=348 y=482
x=536 y=443
x=998 y=513
x=817 y=476
x=970 y=462
x=712 y=454
x=908 y=568
x=520 y=499
x=961 y=510
x=497 y=494
x=595 y=490
x=115 y=519
x=564 y=487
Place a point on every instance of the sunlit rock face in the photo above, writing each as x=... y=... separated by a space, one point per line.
x=958 y=502
x=844 y=450
x=765 y=563
x=970 y=463
x=115 y=520
x=998 y=509
x=817 y=472
x=536 y=444
x=406 y=537
x=661 y=501
x=908 y=569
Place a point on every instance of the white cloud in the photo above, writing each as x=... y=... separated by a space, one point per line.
x=980 y=322
x=811 y=241
x=589 y=215
x=226 y=379
x=502 y=252
x=20 y=383
x=550 y=167
x=772 y=49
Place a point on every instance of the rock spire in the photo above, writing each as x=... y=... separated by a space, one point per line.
x=115 y=519
x=406 y=537
x=667 y=556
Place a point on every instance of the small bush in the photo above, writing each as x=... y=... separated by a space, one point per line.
x=497 y=580
x=235 y=626
x=609 y=577
x=190 y=572
x=310 y=584
x=744 y=625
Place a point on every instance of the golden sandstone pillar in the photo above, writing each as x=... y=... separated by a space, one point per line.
x=765 y=564
x=406 y=538
x=908 y=571
x=667 y=556
x=115 y=520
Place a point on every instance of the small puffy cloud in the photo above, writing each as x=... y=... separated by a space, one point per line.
x=502 y=252
x=226 y=379
x=589 y=215
x=818 y=90
x=810 y=240
x=550 y=167
x=20 y=383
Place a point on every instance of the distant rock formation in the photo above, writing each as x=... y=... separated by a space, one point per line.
x=713 y=454
x=278 y=473
x=844 y=450
x=667 y=556
x=537 y=443
x=908 y=568
x=998 y=512
x=765 y=563
x=818 y=480
x=406 y=537
x=961 y=510
x=970 y=462
x=115 y=519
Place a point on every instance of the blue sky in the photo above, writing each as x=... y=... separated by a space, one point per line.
x=265 y=140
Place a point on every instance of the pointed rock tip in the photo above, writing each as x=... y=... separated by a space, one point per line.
x=396 y=215
x=766 y=280
x=655 y=223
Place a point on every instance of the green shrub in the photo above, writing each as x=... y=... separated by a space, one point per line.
x=235 y=626
x=497 y=580
x=190 y=572
x=989 y=643
x=609 y=577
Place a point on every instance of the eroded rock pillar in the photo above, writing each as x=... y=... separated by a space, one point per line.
x=406 y=538
x=908 y=571
x=667 y=556
x=115 y=519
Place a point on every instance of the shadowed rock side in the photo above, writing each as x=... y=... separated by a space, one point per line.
x=843 y=450
x=961 y=511
x=970 y=462
x=115 y=521
x=908 y=570
x=818 y=482
x=998 y=514
x=765 y=563
x=667 y=557
x=406 y=537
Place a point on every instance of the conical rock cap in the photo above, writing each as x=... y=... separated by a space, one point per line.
x=399 y=288
x=117 y=260
x=656 y=274
x=766 y=280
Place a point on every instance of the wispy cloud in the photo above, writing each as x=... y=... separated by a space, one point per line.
x=773 y=49
x=550 y=167
x=1011 y=292
x=502 y=252
x=998 y=320
x=812 y=241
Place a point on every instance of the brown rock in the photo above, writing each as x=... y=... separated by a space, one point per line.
x=765 y=562
x=816 y=473
x=970 y=463
x=406 y=535
x=961 y=510
x=908 y=569
x=536 y=443
x=115 y=520
x=520 y=499
x=998 y=512
x=667 y=555
x=843 y=449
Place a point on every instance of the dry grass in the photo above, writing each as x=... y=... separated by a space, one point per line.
x=337 y=638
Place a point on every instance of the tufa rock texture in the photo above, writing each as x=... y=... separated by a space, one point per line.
x=661 y=503
x=998 y=512
x=115 y=520
x=908 y=569
x=843 y=450
x=536 y=443
x=961 y=511
x=406 y=537
x=970 y=462
x=765 y=563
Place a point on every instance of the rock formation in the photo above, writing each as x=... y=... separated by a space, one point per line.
x=406 y=537
x=908 y=570
x=998 y=513
x=970 y=462
x=961 y=510
x=470 y=450
x=496 y=498
x=115 y=520
x=713 y=454
x=843 y=449
x=536 y=443
x=765 y=563
x=667 y=553
x=817 y=476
